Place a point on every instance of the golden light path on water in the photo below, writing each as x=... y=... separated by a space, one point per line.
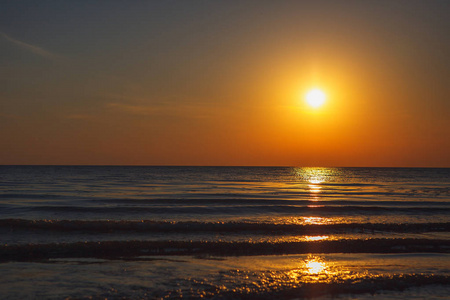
x=314 y=178
x=314 y=273
x=303 y=270
x=311 y=180
x=316 y=238
x=314 y=268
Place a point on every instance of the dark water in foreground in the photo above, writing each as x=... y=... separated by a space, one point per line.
x=224 y=233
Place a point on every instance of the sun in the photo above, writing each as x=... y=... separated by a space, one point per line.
x=315 y=98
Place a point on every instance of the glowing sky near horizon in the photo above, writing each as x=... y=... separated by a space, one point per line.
x=221 y=83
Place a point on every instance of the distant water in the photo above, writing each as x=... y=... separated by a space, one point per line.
x=224 y=232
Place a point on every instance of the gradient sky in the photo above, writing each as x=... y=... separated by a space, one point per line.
x=223 y=83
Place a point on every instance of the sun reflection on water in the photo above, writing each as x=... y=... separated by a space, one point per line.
x=315 y=220
x=314 y=191
x=313 y=269
x=313 y=179
x=316 y=238
x=307 y=276
x=315 y=175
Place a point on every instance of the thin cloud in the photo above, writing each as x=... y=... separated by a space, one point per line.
x=9 y=116
x=136 y=105
x=32 y=48
x=79 y=117
x=134 y=109
x=191 y=111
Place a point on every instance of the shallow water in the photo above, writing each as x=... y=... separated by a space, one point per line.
x=267 y=277
x=224 y=232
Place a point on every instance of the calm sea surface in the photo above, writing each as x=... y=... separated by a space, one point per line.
x=224 y=232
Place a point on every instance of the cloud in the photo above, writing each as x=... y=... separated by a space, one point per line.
x=142 y=106
x=31 y=48
x=78 y=117
x=191 y=111
x=134 y=109
x=9 y=116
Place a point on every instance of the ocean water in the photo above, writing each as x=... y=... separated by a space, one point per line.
x=81 y=232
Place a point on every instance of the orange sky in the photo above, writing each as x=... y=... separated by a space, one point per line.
x=223 y=83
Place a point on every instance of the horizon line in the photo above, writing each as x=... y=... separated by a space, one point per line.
x=214 y=166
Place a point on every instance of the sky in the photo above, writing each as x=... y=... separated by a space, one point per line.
x=224 y=83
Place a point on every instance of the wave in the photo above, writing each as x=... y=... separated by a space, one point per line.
x=225 y=227
x=316 y=208
x=229 y=200
x=136 y=249
x=35 y=196
x=276 y=285
x=268 y=202
x=269 y=286
x=194 y=194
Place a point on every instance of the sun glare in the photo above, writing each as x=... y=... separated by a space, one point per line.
x=315 y=98
x=315 y=266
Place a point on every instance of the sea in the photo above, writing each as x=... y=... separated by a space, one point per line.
x=151 y=232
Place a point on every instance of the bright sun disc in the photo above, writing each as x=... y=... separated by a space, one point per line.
x=315 y=98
